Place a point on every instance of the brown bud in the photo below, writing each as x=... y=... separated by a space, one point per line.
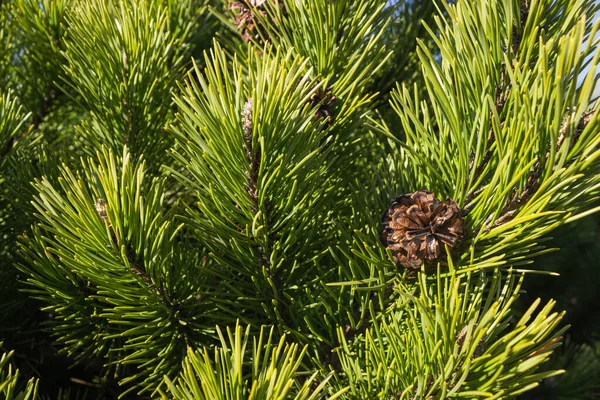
x=247 y=128
x=247 y=119
x=101 y=209
x=462 y=335
x=417 y=226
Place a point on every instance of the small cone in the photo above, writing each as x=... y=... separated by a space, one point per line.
x=245 y=19
x=417 y=226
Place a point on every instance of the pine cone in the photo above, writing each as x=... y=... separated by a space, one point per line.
x=417 y=226
x=324 y=99
x=245 y=18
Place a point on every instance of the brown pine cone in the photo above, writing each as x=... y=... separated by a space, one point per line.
x=324 y=99
x=417 y=226
x=245 y=19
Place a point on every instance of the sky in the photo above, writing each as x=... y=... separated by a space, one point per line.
x=597 y=89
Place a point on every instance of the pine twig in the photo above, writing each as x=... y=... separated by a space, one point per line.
x=137 y=266
x=253 y=157
x=517 y=200
x=501 y=96
x=502 y=93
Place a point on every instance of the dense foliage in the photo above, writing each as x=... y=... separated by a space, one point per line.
x=193 y=190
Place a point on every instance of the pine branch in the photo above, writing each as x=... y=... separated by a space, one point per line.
x=533 y=182
x=253 y=230
x=472 y=351
x=146 y=58
x=38 y=29
x=274 y=215
x=12 y=120
x=502 y=154
x=127 y=288
x=136 y=265
x=502 y=92
x=254 y=157
x=274 y=371
x=10 y=387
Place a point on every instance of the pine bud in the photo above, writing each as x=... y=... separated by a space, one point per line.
x=462 y=335
x=247 y=120
x=101 y=209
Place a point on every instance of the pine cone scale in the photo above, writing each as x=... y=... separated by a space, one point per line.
x=402 y=221
x=416 y=214
x=417 y=234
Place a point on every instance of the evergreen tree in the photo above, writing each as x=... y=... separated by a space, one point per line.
x=218 y=199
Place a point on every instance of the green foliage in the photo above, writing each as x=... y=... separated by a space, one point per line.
x=341 y=39
x=573 y=285
x=581 y=380
x=119 y=284
x=38 y=28
x=499 y=139
x=454 y=338
x=400 y=36
x=192 y=22
x=270 y=373
x=123 y=61
x=12 y=119
x=6 y=46
x=270 y=203
x=9 y=381
x=12 y=127
x=342 y=43
x=250 y=191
